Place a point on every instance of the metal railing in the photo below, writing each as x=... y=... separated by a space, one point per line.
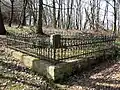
x=59 y=48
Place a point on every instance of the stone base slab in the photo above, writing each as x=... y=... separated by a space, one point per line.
x=43 y=67
x=53 y=72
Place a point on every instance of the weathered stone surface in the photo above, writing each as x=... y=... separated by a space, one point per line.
x=28 y=60
x=54 y=72
x=17 y=55
x=63 y=70
x=43 y=67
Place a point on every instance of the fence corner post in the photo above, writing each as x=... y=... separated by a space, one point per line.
x=55 y=40
x=55 y=43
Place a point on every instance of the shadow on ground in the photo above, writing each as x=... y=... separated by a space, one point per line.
x=13 y=72
x=105 y=76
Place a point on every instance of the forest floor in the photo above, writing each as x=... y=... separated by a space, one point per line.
x=50 y=30
x=105 y=76
x=15 y=76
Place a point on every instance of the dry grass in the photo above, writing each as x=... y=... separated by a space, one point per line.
x=51 y=30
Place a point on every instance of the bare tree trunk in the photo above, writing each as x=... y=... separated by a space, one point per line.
x=30 y=12
x=24 y=13
x=77 y=15
x=80 y=14
x=39 y=26
x=34 y=11
x=58 y=19
x=93 y=14
x=106 y=13
x=118 y=16
x=54 y=15
x=64 y=25
x=45 y=18
x=107 y=18
x=30 y=20
x=2 y=28
x=35 y=19
x=118 y=25
x=61 y=10
x=77 y=25
x=69 y=15
x=50 y=17
x=11 y=15
x=115 y=17
x=98 y=11
x=86 y=21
